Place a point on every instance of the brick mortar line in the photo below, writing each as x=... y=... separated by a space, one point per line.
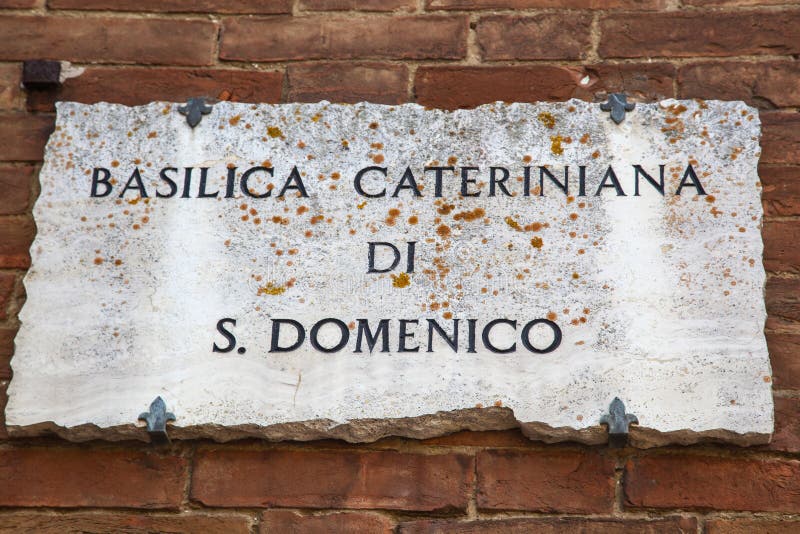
x=420 y=10
x=463 y=62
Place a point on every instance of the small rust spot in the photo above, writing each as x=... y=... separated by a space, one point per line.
x=547 y=119
x=536 y=242
x=401 y=280
x=271 y=289
x=233 y=121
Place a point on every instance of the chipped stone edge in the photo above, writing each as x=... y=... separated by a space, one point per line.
x=372 y=430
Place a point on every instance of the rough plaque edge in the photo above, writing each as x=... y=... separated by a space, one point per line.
x=371 y=430
x=440 y=424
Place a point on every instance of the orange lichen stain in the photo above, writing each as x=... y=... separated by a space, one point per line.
x=376 y=146
x=469 y=216
x=526 y=159
x=537 y=242
x=377 y=158
x=676 y=109
x=498 y=403
x=575 y=276
x=233 y=121
x=302 y=209
x=552 y=316
x=555 y=144
x=443 y=230
x=274 y=131
x=83 y=219
x=401 y=280
x=136 y=226
x=767 y=379
x=151 y=135
x=413 y=219
x=584 y=139
x=98 y=261
x=547 y=119
x=533 y=227
x=373 y=126
x=117 y=262
x=445 y=209
x=715 y=212
x=394 y=212
x=361 y=206
x=452 y=160
x=271 y=289
x=596 y=154
x=115 y=163
x=301 y=144
x=573 y=216
x=335 y=176
x=513 y=224
x=742 y=229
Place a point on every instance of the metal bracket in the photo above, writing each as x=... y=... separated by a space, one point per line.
x=156 y=420
x=618 y=422
x=41 y=74
x=617 y=104
x=194 y=110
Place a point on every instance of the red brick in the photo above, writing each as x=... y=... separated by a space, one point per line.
x=543 y=36
x=709 y=3
x=466 y=87
x=6 y=290
x=781 y=250
x=10 y=91
x=786 y=437
x=340 y=479
x=108 y=40
x=699 y=33
x=64 y=478
x=552 y=525
x=744 y=525
x=710 y=482
x=16 y=236
x=15 y=189
x=534 y=4
x=780 y=140
x=306 y=38
x=545 y=481
x=380 y=83
x=642 y=81
x=781 y=191
x=784 y=354
x=258 y=7
x=766 y=85
x=19 y=4
x=6 y=351
x=140 y=85
x=783 y=301
x=359 y=5
x=102 y=522
x=23 y=136
x=287 y=522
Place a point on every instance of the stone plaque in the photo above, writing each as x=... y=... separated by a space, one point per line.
x=303 y=271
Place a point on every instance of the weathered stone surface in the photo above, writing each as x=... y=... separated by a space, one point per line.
x=658 y=297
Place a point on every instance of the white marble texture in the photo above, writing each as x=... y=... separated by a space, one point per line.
x=660 y=298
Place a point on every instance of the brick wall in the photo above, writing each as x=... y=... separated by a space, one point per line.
x=446 y=53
